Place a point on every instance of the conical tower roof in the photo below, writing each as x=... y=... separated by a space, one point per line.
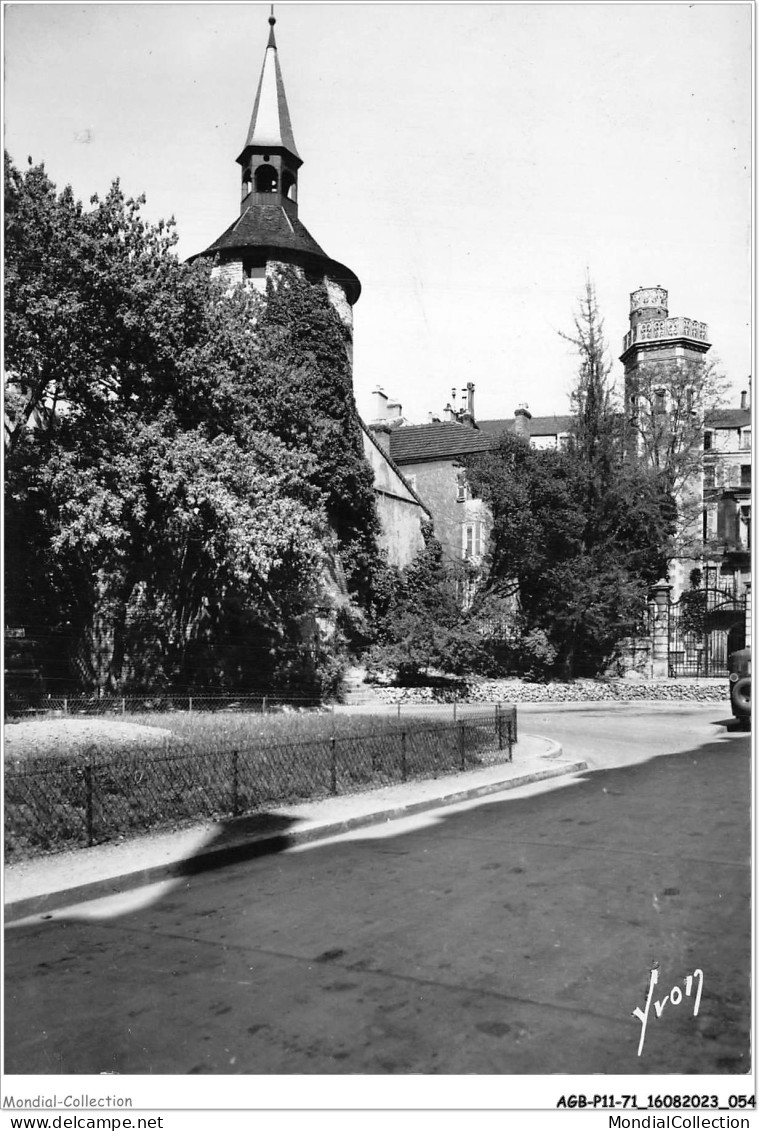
x=270 y=125
x=268 y=228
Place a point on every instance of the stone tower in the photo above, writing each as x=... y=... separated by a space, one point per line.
x=663 y=360
x=267 y=236
x=268 y=232
x=654 y=340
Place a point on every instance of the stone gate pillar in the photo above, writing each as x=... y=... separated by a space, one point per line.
x=660 y=594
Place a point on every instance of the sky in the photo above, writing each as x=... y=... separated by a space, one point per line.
x=471 y=163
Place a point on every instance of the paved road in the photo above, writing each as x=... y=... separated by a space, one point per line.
x=626 y=733
x=513 y=936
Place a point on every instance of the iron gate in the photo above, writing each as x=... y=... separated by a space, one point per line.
x=705 y=626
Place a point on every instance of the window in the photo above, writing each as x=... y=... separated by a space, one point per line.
x=746 y=519
x=745 y=475
x=746 y=439
x=707 y=441
x=462 y=491
x=708 y=476
x=472 y=541
x=660 y=400
x=256 y=276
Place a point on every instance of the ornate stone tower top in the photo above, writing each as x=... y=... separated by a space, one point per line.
x=648 y=303
x=653 y=335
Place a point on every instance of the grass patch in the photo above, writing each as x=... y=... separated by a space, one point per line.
x=210 y=731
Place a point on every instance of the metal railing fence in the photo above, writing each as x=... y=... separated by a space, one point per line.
x=52 y=803
x=16 y=704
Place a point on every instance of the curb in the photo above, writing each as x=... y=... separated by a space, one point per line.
x=264 y=844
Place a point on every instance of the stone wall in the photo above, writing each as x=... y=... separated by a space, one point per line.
x=229 y=273
x=339 y=300
x=578 y=691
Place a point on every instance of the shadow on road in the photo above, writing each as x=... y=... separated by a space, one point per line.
x=239 y=839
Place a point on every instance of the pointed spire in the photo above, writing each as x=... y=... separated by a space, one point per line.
x=270 y=125
x=268 y=229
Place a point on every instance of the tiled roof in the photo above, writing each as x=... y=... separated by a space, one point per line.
x=416 y=443
x=729 y=418
x=266 y=225
x=270 y=231
x=539 y=425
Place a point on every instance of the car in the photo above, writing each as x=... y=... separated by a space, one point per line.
x=739 y=666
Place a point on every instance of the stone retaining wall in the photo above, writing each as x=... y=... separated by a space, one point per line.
x=579 y=691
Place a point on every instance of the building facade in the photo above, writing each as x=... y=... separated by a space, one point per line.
x=431 y=458
x=727 y=491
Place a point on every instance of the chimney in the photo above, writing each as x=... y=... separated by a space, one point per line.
x=744 y=399
x=379 y=404
x=449 y=413
x=394 y=410
x=433 y=418
x=466 y=415
x=470 y=399
x=522 y=418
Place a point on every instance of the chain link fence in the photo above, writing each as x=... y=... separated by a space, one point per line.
x=81 y=800
x=89 y=705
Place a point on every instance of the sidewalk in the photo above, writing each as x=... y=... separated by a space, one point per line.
x=48 y=883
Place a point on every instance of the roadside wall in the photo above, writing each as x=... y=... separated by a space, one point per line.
x=580 y=691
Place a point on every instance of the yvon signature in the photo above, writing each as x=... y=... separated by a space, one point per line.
x=674 y=997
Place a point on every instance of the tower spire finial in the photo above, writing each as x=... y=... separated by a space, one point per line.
x=270 y=126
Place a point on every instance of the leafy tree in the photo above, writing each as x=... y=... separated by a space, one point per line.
x=579 y=577
x=169 y=534
x=424 y=630
x=304 y=395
